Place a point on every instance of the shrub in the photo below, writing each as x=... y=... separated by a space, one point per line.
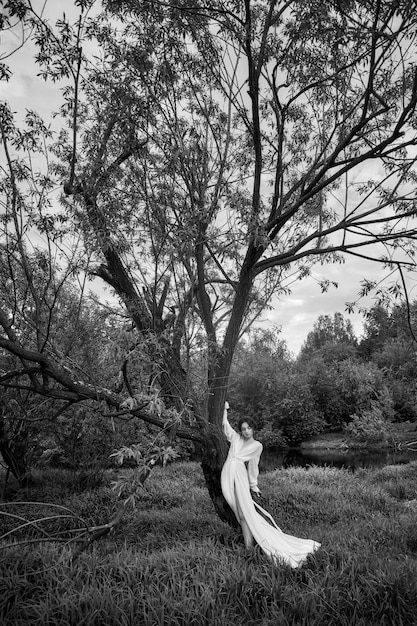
x=369 y=427
x=269 y=437
x=298 y=417
x=301 y=427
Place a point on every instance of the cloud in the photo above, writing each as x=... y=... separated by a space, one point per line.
x=25 y=89
x=297 y=313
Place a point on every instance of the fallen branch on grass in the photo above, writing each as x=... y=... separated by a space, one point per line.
x=84 y=535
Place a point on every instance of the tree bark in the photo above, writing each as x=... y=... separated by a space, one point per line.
x=213 y=456
x=14 y=456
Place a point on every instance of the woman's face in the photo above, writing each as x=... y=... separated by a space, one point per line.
x=246 y=431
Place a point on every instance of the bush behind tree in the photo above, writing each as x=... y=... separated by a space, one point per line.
x=369 y=427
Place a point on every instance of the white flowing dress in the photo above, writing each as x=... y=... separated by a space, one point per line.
x=236 y=482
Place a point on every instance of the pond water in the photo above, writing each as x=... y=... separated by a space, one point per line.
x=350 y=459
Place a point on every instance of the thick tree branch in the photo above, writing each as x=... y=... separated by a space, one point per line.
x=77 y=391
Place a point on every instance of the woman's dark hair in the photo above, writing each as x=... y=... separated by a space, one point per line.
x=245 y=420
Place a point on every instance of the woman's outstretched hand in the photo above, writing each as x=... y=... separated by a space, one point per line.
x=226 y=405
x=256 y=491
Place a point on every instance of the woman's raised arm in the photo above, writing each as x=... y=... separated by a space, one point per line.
x=227 y=429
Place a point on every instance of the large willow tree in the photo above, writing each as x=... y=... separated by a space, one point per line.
x=210 y=154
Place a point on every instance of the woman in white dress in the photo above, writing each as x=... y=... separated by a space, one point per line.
x=238 y=478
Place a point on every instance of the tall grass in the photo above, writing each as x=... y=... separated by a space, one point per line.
x=173 y=562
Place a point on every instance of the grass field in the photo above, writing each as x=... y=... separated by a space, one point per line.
x=172 y=561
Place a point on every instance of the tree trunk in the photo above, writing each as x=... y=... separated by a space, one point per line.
x=13 y=454
x=214 y=455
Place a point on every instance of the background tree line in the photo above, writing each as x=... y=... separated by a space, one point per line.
x=337 y=383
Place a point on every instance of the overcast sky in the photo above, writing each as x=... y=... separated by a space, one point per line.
x=296 y=313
